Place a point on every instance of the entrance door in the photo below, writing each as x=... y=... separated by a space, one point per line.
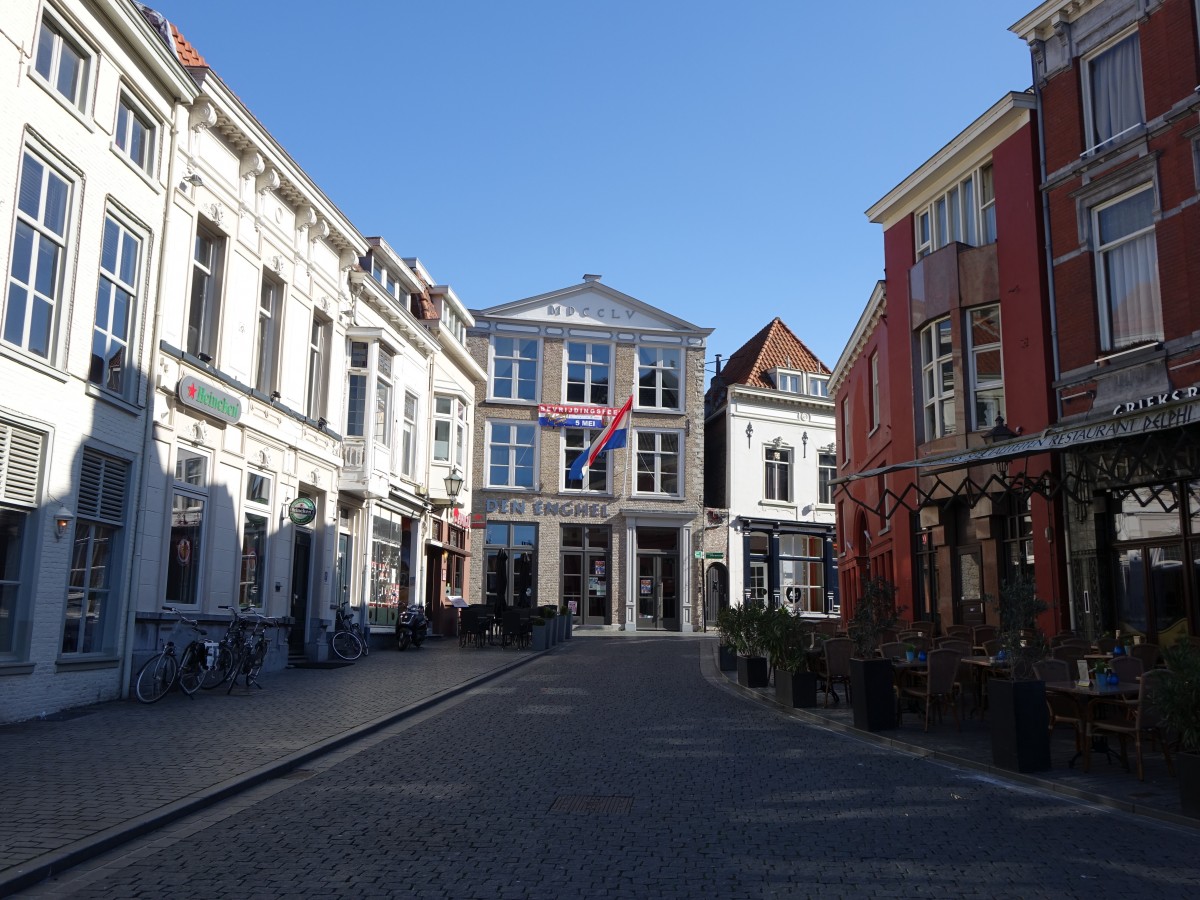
x=716 y=592
x=970 y=609
x=301 y=563
x=657 y=585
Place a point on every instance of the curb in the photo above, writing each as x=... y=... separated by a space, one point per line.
x=712 y=672
x=38 y=869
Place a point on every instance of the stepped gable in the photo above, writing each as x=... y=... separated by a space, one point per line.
x=775 y=347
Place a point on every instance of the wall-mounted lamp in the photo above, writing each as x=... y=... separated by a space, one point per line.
x=321 y=423
x=204 y=358
x=275 y=395
x=62 y=521
x=454 y=483
x=804 y=443
x=190 y=180
x=749 y=433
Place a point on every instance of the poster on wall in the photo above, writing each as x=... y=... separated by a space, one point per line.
x=646 y=586
x=598 y=568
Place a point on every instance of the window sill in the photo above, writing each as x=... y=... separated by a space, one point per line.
x=137 y=170
x=62 y=101
x=84 y=663
x=98 y=393
x=777 y=504
x=671 y=497
x=16 y=668
x=33 y=362
x=1109 y=358
x=509 y=401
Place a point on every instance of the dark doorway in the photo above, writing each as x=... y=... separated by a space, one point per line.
x=301 y=565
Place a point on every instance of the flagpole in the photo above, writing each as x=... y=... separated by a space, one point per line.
x=629 y=446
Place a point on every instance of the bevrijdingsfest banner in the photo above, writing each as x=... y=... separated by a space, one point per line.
x=611 y=438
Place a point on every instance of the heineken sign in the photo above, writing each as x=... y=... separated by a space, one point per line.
x=302 y=510
x=208 y=399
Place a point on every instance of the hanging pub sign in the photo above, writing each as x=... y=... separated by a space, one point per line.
x=208 y=399
x=301 y=511
x=552 y=415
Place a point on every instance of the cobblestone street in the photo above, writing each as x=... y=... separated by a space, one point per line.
x=626 y=767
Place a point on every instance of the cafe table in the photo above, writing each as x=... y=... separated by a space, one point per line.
x=1083 y=695
x=984 y=668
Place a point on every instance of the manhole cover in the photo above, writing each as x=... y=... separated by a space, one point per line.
x=591 y=804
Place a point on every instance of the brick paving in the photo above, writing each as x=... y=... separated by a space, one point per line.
x=606 y=768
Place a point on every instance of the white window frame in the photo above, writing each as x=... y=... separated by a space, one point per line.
x=656 y=368
x=135 y=115
x=54 y=29
x=1108 y=340
x=111 y=337
x=208 y=269
x=590 y=370
x=317 y=376
x=385 y=389
x=409 y=435
x=818 y=385
x=649 y=460
x=187 y=488
x=934 y=396
x=963 y=213
x=360 y=375
x=511 y=431
x=981 y=388
x=268 y=328
x=1091 y=137
x=260 y=509
x=778 y=474
x=826 y=472
x=598 y=479
x=450 y=418
x=44 y=239
x=518 y=360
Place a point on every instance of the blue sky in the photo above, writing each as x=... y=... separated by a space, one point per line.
x=711 y=159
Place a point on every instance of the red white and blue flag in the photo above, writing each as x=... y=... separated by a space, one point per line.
x=611 y=438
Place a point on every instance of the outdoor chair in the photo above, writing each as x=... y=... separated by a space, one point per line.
x=1063 y=709
x=1069 y=653
x=1128 y=668
x=893 y=649
x=1061 y=637
x=1106 y=644
x=918 y=640
x=983 y=633
x=925 y=628
x=958 y=644
x=1138 y=720
x=510 y=628
x=959 y=631
x=1149 y=654
x=939 y=686
x=837 y=666
x=468 y=625
x=992 y=646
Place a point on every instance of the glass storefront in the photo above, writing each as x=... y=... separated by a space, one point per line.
x=584 y=571
x=391 y=567
x=510 y=564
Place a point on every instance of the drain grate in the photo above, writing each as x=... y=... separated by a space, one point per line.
x=592 y=804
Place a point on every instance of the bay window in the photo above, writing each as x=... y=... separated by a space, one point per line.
x=937 y=379
x=986 y=366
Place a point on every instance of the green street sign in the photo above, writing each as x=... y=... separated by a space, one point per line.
x=699 y=554
x=715 y=555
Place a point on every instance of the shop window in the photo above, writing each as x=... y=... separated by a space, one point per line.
x=185 y=547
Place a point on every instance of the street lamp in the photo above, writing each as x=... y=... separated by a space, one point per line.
x=1000 y=432
x=454 y=483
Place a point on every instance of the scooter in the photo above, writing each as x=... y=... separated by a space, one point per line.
x=411 y=627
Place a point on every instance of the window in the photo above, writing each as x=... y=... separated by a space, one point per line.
x=826 y=472
x=965 y=214
x=453 y=322
x=575 y=442
x=589 y=373
x=35 y=281
x=356 y=390
x=658 y=463
x=252 y=582
x=383 y=400
x=266 y=342
x=937 y=379
x=61 y=62
x=1127 y=263
x=874 y=390
x=1113 y=91
x=21 y=453
x=845 y=423
x=659 y=376
x=12 y=553
x=134 y=134
x=789 y=383
x=449 y=430
x=510 y=455
x=204 y=305
x=987 y=370
x=802 y=572
x=408 y=437
x=188 y=504
x=90 y=619
x=318 y=374
x=778 y=470
x=116 y=307
x=1018 y=539
x=514 y=369
x=818 y=385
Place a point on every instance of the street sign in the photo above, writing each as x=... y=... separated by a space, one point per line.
x=715 y=555
x=699 y=554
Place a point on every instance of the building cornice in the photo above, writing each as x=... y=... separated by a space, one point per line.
x=875 y=309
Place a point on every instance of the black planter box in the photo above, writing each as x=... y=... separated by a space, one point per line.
x=1020 y=725
x=727 y=657
x=873 y=694
x=1187 y=765
x=752 y=671
x=796 y=690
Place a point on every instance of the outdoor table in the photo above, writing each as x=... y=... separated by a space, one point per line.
x=985 y=667
x=1083 y=695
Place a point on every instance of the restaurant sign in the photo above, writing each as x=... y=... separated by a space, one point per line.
x=208 y=399
x=544 y=508
x=555 y=416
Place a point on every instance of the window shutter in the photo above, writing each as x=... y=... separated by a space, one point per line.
x=20 y=464
x=102 y=484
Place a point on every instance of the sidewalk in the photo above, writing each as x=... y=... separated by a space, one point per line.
x=1108 y=784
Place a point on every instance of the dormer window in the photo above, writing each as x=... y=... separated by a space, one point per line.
x=818 y=385
x=787 y=380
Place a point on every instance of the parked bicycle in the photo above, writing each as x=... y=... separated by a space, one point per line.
x=162 y=671
x=227 y=649
x=347 y=641
x=251 y=652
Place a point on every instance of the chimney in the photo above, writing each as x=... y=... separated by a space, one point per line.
x=591 y=277
x=718 y=363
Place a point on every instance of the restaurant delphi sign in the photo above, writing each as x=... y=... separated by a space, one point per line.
x=208 y=399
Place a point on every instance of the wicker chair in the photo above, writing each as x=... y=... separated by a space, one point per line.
x=1106 y=644
x=1128 y=668
x=962 y=646
x=893 y=649
x=939 y=686
x=1149 y=654
x=918 y=640
x=992 y=646
x=836 y=669
x=1138 y=720
x=925 y=628
x=1069 y=653
x=959 y=631
x=983 y=633
x=1063 y=709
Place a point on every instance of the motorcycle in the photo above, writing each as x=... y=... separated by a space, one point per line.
x=411 y=627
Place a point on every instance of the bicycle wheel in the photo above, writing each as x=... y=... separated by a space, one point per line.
x=221 y=669
x=155 y=678
x=258 y=656
x=191 y=668
x=347 y=645
x=362 y=639
x=240 y=666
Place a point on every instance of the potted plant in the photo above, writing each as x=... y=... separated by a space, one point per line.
x=872 y=683
x=788 y=643
x=550 y=614
x=728 y=624
x=1017 y=705
x=752 y=663
x=1176 y=697
x=541 y=633
x=910 y=652
x=568 y=621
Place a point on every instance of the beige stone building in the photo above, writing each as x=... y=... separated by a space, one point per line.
x=616 y=546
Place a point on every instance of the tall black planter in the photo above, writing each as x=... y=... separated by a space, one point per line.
x=873 y=694
x=727 y=657
x=796 y=690
x=1020 y=725
x=1188 y=767
x=752 y=671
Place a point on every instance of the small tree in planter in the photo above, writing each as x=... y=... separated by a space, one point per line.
x=1017 y=706
x=1176 y=698
x=872 y=685
x=728 y=625
x=788 y=642
x=752 y=663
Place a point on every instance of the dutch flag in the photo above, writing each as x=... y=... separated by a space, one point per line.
x=611 y=438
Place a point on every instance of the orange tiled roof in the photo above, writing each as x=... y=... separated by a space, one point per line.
x=775 y=347
x=187 y=53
